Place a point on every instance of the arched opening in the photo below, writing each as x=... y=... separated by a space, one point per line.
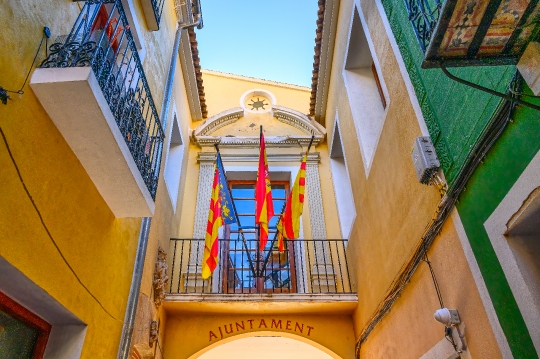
x=265 y=345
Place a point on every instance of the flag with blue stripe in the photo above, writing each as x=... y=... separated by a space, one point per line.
x=227 y=208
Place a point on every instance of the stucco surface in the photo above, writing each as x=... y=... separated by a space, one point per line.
x=99 y=247
x=410 y=330
x=393 y=209
x=385 y=229
x=189 y=336
x=223 y=92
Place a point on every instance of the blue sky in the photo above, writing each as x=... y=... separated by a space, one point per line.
x=269 y=39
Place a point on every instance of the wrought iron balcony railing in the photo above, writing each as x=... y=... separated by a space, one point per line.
x=305 y=266
x=423 y=15
x=101 y=39
x=158 y=9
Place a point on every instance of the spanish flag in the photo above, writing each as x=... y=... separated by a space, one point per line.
x=289 y=223
x=215 y=220
x=263 y=197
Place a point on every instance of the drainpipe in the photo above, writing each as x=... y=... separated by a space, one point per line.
x=133 y=299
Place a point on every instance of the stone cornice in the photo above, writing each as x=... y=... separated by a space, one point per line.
x=253 y=141
x=313 y=157
x=217 y=121
x=202 y=134
x=298 y=120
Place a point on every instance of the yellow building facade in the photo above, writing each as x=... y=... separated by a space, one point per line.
x=107 y=162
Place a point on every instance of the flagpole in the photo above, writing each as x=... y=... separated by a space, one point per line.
x=236 y=215
x=282 y=209
x=258 y=254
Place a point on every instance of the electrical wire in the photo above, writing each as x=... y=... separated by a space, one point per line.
x=435 y=283
x=47 y=229
x=54 y=242
x=491 y=133
x=159 y=347
x=20 y=91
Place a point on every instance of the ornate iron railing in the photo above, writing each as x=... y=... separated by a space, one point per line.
x=423 y=15
x=158 y=9
x=101 y=39
x=305 y=266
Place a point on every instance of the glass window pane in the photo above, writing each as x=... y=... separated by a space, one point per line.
x=278 y=191
x=243 y=191
x=247 y=221
x=17 y=339
x=245 y=206
x=278 y=206
x=273 y=221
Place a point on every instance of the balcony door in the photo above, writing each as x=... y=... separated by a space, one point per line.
x=246 y=269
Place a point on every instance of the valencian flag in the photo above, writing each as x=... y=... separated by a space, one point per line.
x=289 y=223
x=263 y=196
x=211 y=245
x=227 y=209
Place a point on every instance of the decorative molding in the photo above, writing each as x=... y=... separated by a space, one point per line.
x=203 y=157
x=253 y=141
x=316 y=212
x=218 y=121
x=160 y=278
x=299 y=120
x=153 y=333
x=502 y=342
x=204 y=192
x=258 y=92
x=201 y=135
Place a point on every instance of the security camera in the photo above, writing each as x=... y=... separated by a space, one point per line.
x=448 y=317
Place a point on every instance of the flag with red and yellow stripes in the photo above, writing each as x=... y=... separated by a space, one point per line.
x=289 y=223
x=215 y=220
x=263 y=196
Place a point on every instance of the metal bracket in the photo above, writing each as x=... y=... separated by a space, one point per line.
x=490 y=91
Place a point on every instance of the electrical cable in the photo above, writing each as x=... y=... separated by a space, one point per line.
x=52 y=239
x=47 y=229
x=435 y=283
x=20 y=91
x=160 y=351
x=490 y=134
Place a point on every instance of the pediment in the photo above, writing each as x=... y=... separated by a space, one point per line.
x=237 y=127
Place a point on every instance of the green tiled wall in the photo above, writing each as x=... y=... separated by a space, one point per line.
x=455 y=114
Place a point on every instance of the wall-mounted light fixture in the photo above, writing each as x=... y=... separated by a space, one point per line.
x=451 y=320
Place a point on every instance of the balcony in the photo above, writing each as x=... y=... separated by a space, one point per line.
x=308 y=275
x=93 y=87
x=152 y=12
x=473 y=33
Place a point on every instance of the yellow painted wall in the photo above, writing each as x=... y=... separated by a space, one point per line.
x=223 y=91
x=392 y=210
x=188 y=336
x=410 y=324
x=100 y=248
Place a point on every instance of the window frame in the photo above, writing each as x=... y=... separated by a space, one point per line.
x=226 y=248
x=20 y=313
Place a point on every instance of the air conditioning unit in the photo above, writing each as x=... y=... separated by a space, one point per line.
x=425 y=159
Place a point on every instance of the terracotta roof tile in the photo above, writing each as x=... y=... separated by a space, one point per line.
x=316 y=58
x=198 y=74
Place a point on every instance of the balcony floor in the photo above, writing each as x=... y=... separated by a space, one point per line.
x=200 y=303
